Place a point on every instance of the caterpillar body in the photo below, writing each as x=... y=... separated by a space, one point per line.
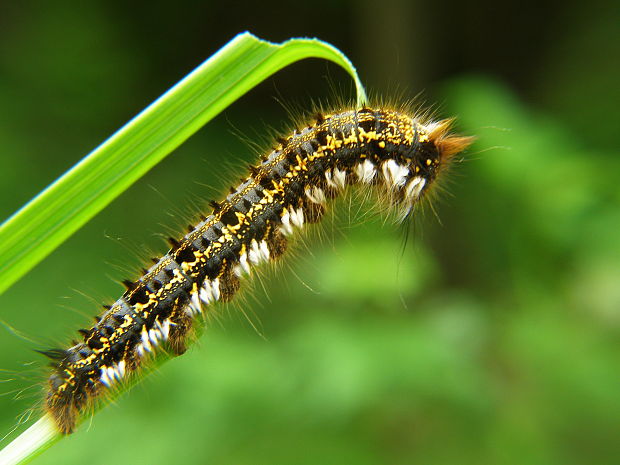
x=393 y=151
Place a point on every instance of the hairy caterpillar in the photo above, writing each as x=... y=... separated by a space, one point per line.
x=393 y=151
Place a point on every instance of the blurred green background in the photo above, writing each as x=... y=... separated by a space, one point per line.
x=491 y=337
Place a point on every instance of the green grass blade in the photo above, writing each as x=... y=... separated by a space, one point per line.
x=64 y=206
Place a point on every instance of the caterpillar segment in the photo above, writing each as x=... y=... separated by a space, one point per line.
x=388 y=150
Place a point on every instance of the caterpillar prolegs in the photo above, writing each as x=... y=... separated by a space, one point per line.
x=392 y=151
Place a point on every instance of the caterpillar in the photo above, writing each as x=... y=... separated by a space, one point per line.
x=393 y=151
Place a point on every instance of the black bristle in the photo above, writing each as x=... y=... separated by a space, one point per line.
x=107 y=307
x=282 y=140
x=130 y=285
x=216 y=206
x=155 y=260
x=173 y=242
x=53 y=354
x=190 y=228
x=319 y=118
x=84 y=332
